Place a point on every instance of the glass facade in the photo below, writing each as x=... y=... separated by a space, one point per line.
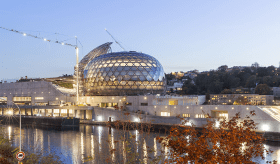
x=123 y=73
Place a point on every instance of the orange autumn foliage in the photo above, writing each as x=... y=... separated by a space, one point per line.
x=231 y=142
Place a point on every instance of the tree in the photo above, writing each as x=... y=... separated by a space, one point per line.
x=251 y=81
x=256 y=65
x=219 y=141
x=226 y=91
x=262 y=89
x=223 y=68
x=188 y=88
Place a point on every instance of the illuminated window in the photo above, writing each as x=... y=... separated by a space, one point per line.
x=128 y=103
x=3 y=98
x=186 y=115
x=39 y=98
x=164 y=113
x=56 y=111
x=173 y=102
x=21 y=98
x=70 y=111
x=63 y=110
x=201 y=116
x=224 y=115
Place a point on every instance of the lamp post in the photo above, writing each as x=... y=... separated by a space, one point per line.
x=19 y=122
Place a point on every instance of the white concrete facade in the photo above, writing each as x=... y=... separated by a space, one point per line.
x=149 y=108
x=41 y=92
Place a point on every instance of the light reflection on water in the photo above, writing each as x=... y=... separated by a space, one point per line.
x=72 y=146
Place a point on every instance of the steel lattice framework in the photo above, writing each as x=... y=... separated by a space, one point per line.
x=124 y=73
x=100 y=50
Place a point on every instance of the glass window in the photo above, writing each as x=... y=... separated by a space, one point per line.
x=186 y=115
x=173 y=102
x=144 y=104
x=165 y=113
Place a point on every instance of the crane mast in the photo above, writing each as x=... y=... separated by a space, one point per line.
x=114 y=39
x=58 y=42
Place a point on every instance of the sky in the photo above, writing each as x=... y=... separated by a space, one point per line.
x=182 y=34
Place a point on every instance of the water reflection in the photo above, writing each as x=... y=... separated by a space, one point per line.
x=145 y=152
x=72 y=146
x=155 y=146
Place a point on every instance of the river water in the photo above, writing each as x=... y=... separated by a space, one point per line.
x=103 y=144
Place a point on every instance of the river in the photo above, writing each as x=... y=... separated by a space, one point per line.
x=103 y=144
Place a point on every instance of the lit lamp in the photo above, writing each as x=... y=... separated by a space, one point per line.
x=10 y=112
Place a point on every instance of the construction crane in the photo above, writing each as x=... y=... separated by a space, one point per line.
x=62 y=43
x=114 y=39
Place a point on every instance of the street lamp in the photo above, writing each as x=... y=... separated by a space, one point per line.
x=10 y=113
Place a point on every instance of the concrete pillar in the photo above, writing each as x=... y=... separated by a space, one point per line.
x=85 y=114
x=52 y=112
x=67 y=112
x=59 y=113
x=31 y=111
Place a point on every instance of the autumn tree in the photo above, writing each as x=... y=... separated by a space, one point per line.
x=219 y=141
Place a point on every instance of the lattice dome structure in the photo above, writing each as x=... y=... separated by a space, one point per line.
x=100 y=50
x=123 y=73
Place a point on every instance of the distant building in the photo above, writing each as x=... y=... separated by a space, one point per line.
x=252 y=99
x=177 y=86
x=276 y=91
x=178 y=74
x=243 y=90
x=190 y=75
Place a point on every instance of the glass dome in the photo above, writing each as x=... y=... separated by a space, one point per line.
x=123 y=73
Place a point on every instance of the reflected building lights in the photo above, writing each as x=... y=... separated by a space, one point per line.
x=124 y=152
x=112 y=146
x=155 y=146
x=99 y=137
x=10 y=131
x=165 y=152
x=145 y=151
x=82 y=147
x=49 y=143
x=136 y=140
x=278 y=155
x=92 y=146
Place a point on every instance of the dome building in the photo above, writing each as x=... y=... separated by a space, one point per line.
x=123 y=73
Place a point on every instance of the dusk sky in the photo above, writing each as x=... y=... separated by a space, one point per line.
x=182 y=34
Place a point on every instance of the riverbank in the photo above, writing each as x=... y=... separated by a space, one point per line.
x=164 y=128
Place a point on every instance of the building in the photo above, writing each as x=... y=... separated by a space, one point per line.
x=123 y=73
x=276 y=91
x=175 y=87
x=113 y=84
x=250 y=99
